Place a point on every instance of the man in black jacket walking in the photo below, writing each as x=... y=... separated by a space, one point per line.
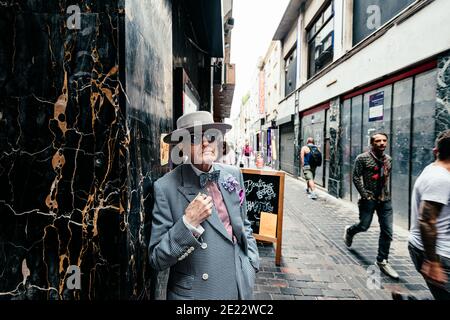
x=371 y=175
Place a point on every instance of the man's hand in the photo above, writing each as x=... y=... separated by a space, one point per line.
x=368 y=196
x=433 y=271
x=199 y=209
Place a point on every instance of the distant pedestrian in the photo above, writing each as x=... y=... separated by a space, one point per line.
x=309 y=166
x=247 y=153
x=429 y=240
x=371 y=174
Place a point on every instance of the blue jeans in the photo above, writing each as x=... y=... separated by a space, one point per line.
x=385 y=219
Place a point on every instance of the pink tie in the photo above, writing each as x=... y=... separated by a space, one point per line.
x=222 y=211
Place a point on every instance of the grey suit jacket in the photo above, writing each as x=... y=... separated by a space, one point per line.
x=213 y=266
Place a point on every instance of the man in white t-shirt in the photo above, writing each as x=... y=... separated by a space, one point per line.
x=429 y=240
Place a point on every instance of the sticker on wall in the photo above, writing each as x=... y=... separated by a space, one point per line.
x=376 y=105
x=164 y=150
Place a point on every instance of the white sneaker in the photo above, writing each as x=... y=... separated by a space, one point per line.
x=312 y=195
x=387 y=269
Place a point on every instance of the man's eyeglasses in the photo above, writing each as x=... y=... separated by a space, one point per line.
x=210 y=135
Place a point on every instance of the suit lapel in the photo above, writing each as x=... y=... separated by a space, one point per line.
x=190 y=187
x=217 y=224
x=231 y=200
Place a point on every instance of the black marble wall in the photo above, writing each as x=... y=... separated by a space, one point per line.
x=443 y=93
x=81 y=111
x=148 y=68
x=62 y=142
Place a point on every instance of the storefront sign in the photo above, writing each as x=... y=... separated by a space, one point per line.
x=376 y=105
x=261 y=93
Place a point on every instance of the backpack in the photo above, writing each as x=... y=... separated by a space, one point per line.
x=316 y=156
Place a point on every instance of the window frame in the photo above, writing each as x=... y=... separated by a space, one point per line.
x=311 y=36
x=288 y=60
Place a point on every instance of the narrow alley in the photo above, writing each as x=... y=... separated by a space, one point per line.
x=317 y=265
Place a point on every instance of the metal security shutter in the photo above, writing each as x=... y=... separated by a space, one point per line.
x=287 y=149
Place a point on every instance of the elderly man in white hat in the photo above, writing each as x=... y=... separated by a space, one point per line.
x=200 y=228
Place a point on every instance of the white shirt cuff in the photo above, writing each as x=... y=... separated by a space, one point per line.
x=197 y=232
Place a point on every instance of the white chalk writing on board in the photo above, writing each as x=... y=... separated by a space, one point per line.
x=265 y=191
x=258 y=206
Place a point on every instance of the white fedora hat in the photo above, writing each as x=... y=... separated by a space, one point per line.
x=202 y=119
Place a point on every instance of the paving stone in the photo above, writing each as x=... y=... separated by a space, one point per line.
x=277 y=283
x=282 y=297
x=291 y=291
x=266 y=275
x=312 y=292
x=299 y=284
x=261 y=281
x=262 y=296
x=414 y=287
x=268 y=289
x=339 y=286
x=305 y=298
x=338 y=293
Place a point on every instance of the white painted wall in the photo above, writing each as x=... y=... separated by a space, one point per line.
x=423 y=35
x=227 y=5
x=290 y=39
x=338 y=29
x=347 y=24
x=311 y=9
x=286 y=107
x=302 y=58
x=253 y=101
x=272 y=70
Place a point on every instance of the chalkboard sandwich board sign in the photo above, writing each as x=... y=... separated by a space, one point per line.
x=264 y=190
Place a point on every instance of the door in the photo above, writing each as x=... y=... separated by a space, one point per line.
x=287 y=150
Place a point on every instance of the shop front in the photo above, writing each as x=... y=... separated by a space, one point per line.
x=314 y=124
x=286 y=145
x=403 y=107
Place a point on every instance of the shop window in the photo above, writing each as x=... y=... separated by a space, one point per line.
x=313 y=125
x=346 y=149
x=424 y=119
x=321 y=41
x=405 y=110
x=400 y=148
x=370 y=15
x=356 y=139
